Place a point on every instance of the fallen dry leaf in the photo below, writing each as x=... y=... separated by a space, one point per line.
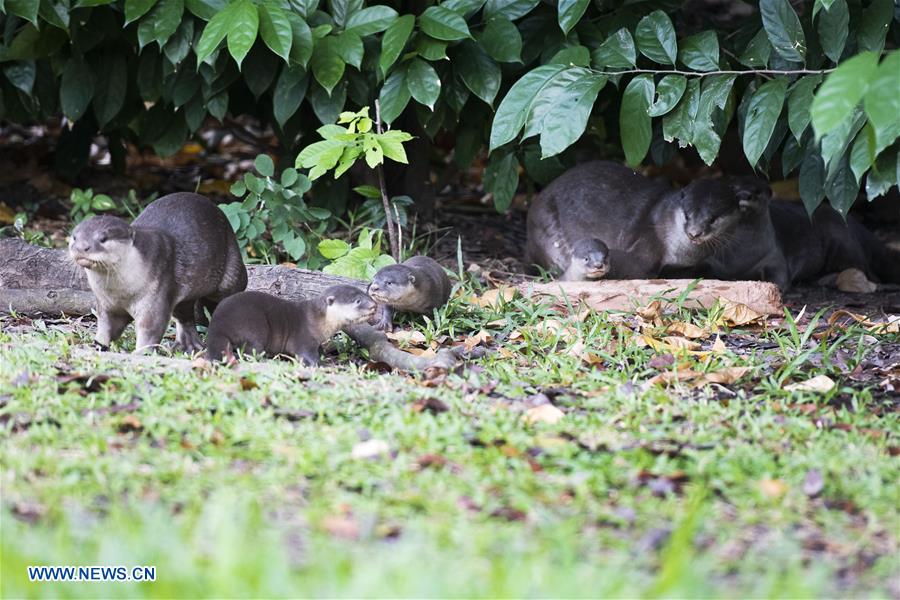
x=688 y=330
x=409 y=337
x=370 y=449
x=344 y=527
x=651 y=312
x=726 y=376
x=129 y=424
x=820 y=383
x=854 y=281
x=432 y=405
x=482 y=337
x=718 y=346
x=735 y=314
x=773 y=488
x=544 y=413
x=494 y=298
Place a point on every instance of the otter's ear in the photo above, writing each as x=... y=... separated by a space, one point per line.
x=751 y=195
x=329 y=300
x=412 y=278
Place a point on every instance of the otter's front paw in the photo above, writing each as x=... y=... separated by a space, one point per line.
x=100 y=346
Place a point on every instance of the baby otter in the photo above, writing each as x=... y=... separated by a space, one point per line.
x=648 y=226
x=180 y=253
x=417 y=285
x=262 y=323
x=589 y=261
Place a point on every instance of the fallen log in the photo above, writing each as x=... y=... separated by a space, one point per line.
x=627 y=294
x=36 y=280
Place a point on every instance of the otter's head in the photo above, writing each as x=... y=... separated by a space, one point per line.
x=100 y=242
x=392 y=284
x=346 y=305
x=712 y=208
x=590 y=258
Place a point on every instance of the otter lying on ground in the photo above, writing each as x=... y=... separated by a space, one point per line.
x=262 y=323
x=647 y=225
x=417 y=285
x=178 y=252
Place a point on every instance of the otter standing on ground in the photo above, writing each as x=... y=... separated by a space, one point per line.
x=179 y=252
x=262 y=323
x=417 y=285
x=647 y=225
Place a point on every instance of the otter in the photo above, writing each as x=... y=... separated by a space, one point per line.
x=417 y=285
x=589 y=261
x=648 y=226
x=262 y=323
x=179 y=255
x=826 y=244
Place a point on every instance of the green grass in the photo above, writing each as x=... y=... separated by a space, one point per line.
x=640 y=490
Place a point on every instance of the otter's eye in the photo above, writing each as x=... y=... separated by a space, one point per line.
x=585 y=259
x=357 y=302
x=103 y=239
x=390 y=283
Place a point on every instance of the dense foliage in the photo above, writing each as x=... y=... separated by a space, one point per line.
x=609 y=72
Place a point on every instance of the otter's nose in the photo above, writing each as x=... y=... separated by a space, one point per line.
x=81 y=246
x=373 y=287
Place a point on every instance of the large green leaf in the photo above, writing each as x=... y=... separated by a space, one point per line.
x=668 y=93
x=27 y=9
x=837 y=141
x=518 y=103
x=874 y=25
x=566 y=121
x=842 y=91
x=812 y=180
x=550 y=97
x=616 y=51
x=371 y=20
x=244 y=26
x=756 y=54
x=290 y=89
x=429 y=48
x=570 y=12
x=275 y=29
x=655 y=38
x=205 y=9
x=783 y=27
x=443 y=24
x=799 y=102
x=678 y=124
x=634 y=122
x=394 y=40
x=342 y=10
x=578 y=56
x=700 y=51
x=349 y=47
x=76 y=89
x=161 y=23
x=112 y=78
x=833 y=27
x=394 y=95
x=511 y=9
x=214 y=32
x=501 y=40
x=884 y=174
x=762 y=113
x=54 y=12
x=135 y=9
x=478 y=70
x=882 y=101
x=862 y=155
x=326 y=64
x=302 y=44
x=464 y=7
x=842 y=187
x=179 y=45
x=423 y=82
x=21 y=74
x=260 y=70
x=328 y=106
x=501 y=178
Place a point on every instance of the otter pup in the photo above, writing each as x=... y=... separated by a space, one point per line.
x=826 y=244
x=178 y=253
x=260 y=322
x=417 y=285
x=648 y=226
x=585 y=260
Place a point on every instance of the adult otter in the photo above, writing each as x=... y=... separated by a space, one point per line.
x=260 y=322
x=179 y=254
x=647 y=225
x=417 y=285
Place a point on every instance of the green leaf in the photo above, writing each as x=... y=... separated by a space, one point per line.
x=342 y=10
x=371 y=20
x=570 y=12
x=135 y=9
x=275 y=29
x=511 y=9
x=328 y=107
x=21 y=74
x=430 y=48
x=244 y=26
x=833 y=27
x=783 y=28
x=53 y=12
x=842 y=188
x=302 y=45
x=862 y=156
x=836 y=142
x=218 y=105
x=423 y=82
x=112 y=78
x=756 y=54
x=327 y=65
x=290 y=89
x=367 y=191
x=349 y=47
x=812 y=180
x=214 y=32
x=519 y=102
x=27 y=9
x=873 y=25
x=265 y=166
x=700 y=52
x=394 y=40
x=374 y=153
x=842 y=91
x=763 y=110
x=394 y=96
x=566 y=119
x=289 y=177
x=578 y=56
x=501 y=40
x=679 y=122
x=655 y=38
x=76 y=88
x=161 y=23
x=464 y=7
x=320 y=157
x=799 y=102
x=332 y=249
x=616 y=51
x=882 y=101
x=634 y=122
x=179 y=44
x=478 y=71
x=260 y=70
x=668 y=93
x=392 y=145
x=443 y=24
x=205 y=9
x=884 y=175
x=501 y=178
